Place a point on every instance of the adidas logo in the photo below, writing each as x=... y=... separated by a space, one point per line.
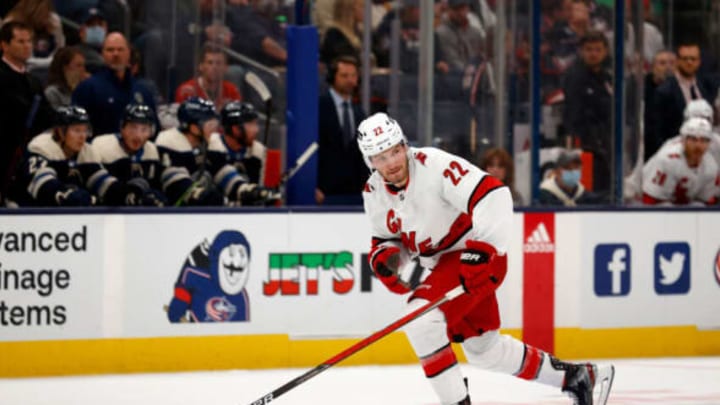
x=539 y=241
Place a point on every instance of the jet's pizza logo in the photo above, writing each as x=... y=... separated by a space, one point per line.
x=307 y=273
x=211 y=284
x=672 y=268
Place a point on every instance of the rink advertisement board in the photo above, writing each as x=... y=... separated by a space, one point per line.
x=128 y=292
x=52 y=277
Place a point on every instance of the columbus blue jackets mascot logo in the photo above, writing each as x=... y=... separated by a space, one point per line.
x=211 y=285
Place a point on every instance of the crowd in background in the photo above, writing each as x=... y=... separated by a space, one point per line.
x=82 y=69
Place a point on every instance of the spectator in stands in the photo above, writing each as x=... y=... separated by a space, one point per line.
x=683 y=173
x=106 y=93
x=663 y=66
x=672 y=95
x=588 y=105
x=563 y=186
x=47 y=29
x=92 y=33
x=499 y=164
x=240 y=131
x=62 y=169
x=341 y=170
x=564 y=37
x=409 y=16
x=461 y=44
x=342 y=37
x=66 y=71
x=248 y=32
x=209 y=83
x=132 y=158
x=24 y=110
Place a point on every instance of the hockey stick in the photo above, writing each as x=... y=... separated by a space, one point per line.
x=299 y=163
x=259 y=86
x=450 y=295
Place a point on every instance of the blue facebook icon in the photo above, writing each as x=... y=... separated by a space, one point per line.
x=612 y=269
x=672 y=268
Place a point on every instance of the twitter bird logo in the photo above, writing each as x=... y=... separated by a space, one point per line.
x=672 y=268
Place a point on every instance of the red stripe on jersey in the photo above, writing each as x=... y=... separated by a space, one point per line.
x=182 y=294
x=648 y=199
x=531 y=363
x=483 y=188
x=461 y=225
x=439 y=361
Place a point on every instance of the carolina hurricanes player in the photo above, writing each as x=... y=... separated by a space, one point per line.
x=456 y=219
x=683 y=173
x=702 y=109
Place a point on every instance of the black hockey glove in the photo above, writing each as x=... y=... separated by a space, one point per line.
x=252 y=194
x=205 y=196
x=135 y=188
x=74 y=197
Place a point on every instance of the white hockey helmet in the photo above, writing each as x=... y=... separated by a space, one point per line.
x=699 y=108
x=378 y=133
x=696 y=126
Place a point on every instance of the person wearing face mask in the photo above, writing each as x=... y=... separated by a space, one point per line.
x=67 y=70
x=563 y=187
x=92 y=35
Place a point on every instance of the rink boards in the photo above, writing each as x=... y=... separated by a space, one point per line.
x=89 y=293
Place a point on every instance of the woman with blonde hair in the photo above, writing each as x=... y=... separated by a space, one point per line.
x=499 y=164
x=48 y=35
x=343 y=34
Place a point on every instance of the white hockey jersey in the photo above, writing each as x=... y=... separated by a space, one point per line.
x=713 y=148
x=668 y=178
x=447 y=201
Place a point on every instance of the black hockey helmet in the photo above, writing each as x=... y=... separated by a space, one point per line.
x=195 y=110
x=71 y=115
x=236 y=113
x=140 y=113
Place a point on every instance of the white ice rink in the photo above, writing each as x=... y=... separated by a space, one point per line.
x=676 y=381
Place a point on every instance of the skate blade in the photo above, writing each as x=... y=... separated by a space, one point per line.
x=604 y=380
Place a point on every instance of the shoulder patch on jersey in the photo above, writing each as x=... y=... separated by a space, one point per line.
x=173 y=139
x=45 y=146
x=108 y=149
x=485 y=186
x=88 y=155
x=368 y=188
x=420 y=157
x=216 y=144
x=150 y=151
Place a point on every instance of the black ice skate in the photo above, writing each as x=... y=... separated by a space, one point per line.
x=581 y=380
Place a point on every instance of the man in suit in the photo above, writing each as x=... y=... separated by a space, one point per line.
x=24 y=110
x=675 y=92
x=341 y=169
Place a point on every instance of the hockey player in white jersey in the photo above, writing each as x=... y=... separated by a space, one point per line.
x=132 y=158
x=699 y=108
x=196 y=171
x=456 y=219
x=683 y=173
x=240 y=130
x=61 y=169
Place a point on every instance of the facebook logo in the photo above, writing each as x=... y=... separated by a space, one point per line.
x=612 y=269
x=672 y=268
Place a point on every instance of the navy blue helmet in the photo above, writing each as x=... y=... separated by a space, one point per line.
x=70 y=115
x=237 y=113
x=138 y=113
x=195 y=110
